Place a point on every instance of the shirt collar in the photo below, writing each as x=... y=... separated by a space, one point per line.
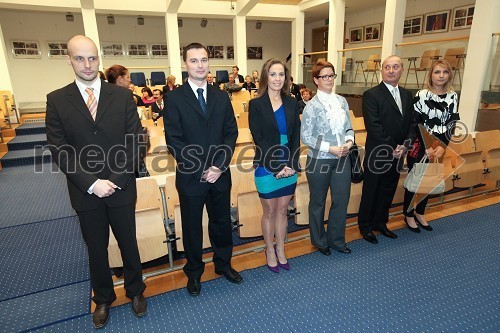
x=194 y=87
x=96 y=86
x=391 y=87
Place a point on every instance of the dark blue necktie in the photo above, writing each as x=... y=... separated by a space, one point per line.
x=201 y=100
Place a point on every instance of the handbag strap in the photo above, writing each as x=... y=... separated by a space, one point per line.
x=422 y=160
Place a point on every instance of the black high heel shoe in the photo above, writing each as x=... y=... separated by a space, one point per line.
x=417 y=230
x=426 y=227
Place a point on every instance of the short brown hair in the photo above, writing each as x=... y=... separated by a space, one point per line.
x=114 y=72
x=428 y=80
x=265 y=72
x=318 y=66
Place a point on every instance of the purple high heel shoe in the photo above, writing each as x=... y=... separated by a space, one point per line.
x=274 y=269
x=285 y=266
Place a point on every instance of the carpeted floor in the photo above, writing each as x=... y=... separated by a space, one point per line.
x=440 y=281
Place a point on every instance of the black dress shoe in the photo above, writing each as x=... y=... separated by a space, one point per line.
x=426 y=227
x=345 y=250
x=232 y=276
x=194 y=287
x=411 y=228
x=387 y=233
x=139 y=305
x=370 y=237
x=101 y=315
x=326 y=251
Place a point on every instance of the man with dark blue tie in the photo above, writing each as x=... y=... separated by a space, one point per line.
x=201 y=133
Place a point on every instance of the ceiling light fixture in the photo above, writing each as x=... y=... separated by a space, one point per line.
x=140 y=20
x=70 y=17
x=204 y=23
x=258 y=25
x=111 y=19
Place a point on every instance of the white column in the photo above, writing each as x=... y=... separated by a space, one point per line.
x=393 y=26
x=240 y=43
x=297 y=47
x=174 y=58
x=484 y=24
x=90 y=24
x=336 y=17
x=5 y=82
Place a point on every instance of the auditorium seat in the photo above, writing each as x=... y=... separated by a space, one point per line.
x=157 y=78
x=150 y=230
x=138 y=79
x=487 y=140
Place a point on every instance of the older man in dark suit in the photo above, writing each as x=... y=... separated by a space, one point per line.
x=390 y=126
x=201 y=133
x=92 y=132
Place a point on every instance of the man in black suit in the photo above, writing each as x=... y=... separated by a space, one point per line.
x=158 y=105
x=92 y=132
x=295 y=90
x=238 y=78
x=201 y=133
x=211 y=81
x=390 y=126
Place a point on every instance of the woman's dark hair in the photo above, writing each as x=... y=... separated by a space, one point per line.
x=265 y=72
x=114 y=72
x=150 y=93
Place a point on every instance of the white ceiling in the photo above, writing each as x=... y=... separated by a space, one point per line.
x=320 y=12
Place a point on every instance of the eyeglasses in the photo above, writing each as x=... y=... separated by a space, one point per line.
x=327 y=77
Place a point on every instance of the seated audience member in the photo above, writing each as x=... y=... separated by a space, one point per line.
x=158 y=105
x=147 y=96
x=306 y=96
x=140 y=111
x=248 y=84
x=211 y=81
x=170 y=84
x=231 y=86
x=238 y=78
x=255 y=76
x=131 y=87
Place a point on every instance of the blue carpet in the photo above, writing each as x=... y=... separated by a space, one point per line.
x=45 y=307
x=29 y=196
x=29 y=141
x=441 y=281
x=31 y=128
x=41 y=256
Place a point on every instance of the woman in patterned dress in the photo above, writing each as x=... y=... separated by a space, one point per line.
x=437 y=110
x=275 y=126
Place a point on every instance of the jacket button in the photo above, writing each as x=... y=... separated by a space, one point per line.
x=95 y=132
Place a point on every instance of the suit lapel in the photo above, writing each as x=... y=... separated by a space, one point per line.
x=105 y=98
x=289 y=114
x=268 y=111
x=388 y=96
x=192 y=100
x=76 y=99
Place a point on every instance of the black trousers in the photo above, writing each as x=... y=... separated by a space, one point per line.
x=219 y=230
x=379 y=187
x=94 y=225
x=420 y=208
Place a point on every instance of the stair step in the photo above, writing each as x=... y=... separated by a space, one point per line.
x=31 y=128
x=29 y=141
x=25 y=157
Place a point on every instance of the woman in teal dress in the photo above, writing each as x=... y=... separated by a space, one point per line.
x=275 y=126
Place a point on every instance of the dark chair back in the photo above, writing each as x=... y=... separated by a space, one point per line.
x=138 y=79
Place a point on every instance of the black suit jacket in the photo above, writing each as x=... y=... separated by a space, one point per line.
x=241 y=79
x=156 y=109
x=197 y=140
x=385 y=125
x=295 y=91
x=266 y=135
x=87 y=150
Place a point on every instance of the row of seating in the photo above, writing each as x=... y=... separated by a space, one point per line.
x=158 y=78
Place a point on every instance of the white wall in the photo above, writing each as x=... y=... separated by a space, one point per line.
x=32 y=79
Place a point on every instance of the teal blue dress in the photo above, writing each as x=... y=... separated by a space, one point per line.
x=267 y=185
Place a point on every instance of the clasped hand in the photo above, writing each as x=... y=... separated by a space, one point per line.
x=286 y=172
x=399 y=151
x=341 y=151
x=435 y=153
x=211 y=174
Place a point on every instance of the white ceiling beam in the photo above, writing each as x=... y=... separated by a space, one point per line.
x=173 y=6
x=244 y=6
x=304 y=5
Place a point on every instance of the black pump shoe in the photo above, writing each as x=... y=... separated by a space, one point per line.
x=426 y=227
x=417 y=230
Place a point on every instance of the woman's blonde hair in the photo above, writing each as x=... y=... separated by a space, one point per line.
x=428 y=80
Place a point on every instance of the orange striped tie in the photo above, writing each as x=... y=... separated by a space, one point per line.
x=91 y=102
